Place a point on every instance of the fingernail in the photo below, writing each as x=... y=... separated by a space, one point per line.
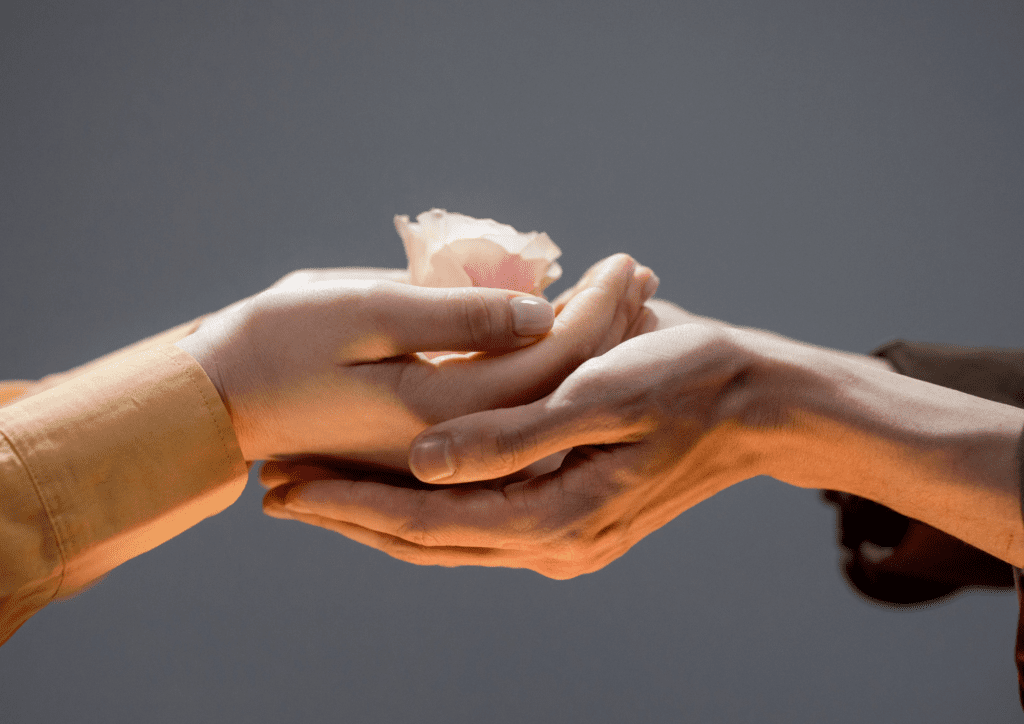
x=532 y=316
x=430 y=459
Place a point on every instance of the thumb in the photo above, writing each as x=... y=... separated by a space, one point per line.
x=494 y=443
x=425 y=319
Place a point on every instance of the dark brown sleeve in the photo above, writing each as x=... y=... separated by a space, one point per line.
x=990 y=372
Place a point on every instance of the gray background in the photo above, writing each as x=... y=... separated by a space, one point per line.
x=843 y=173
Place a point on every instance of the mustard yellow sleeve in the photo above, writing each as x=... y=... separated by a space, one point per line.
x=104 y=463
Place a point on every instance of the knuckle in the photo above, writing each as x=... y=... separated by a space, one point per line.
x=417 y=535
x=416 y=528
x=295 y=278
x=478 y=319
x=373 y=301
x=375 y=294
x=287 y=278
x=403 y=551
x=508 y=448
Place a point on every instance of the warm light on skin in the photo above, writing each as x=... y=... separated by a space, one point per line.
x=931 y=453
x=660 y=423
x=333 y=366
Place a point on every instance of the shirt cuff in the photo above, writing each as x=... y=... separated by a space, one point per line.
x=106 y=466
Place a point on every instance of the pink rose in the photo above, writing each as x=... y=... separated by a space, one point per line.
x=453 y=250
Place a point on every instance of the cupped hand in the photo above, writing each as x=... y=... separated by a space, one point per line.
x=326 y=364
x=654 y=427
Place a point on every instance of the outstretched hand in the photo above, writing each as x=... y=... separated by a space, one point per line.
x=652 y=435
x=328 y=366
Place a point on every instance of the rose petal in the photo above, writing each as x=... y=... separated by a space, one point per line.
x=489 y=265
x=553 y=274
x=444 y=269
x=415 y=248
x=487 y=252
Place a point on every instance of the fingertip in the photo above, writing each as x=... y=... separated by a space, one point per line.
x=273 y=474
x=649 y=281
x=276 y=473
x=277 y=511
x=308 y=497
x=299 y=498
x=651 y=286
x=634 y=293
x=621 y=257
x=274 y=502
x=626 y=260
x=430 y=458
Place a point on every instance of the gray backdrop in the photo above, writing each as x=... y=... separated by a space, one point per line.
x=843 y=173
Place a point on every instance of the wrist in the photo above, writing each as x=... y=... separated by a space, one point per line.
x=824 y=422
x=931 y=453
x=836 y=420
x=766 y=403
x=201 y=349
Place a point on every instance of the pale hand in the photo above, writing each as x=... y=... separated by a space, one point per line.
x=325 y=364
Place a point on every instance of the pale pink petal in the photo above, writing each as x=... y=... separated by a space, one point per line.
x=415 y=248
x=444 y=269
x=449 y=249
x=552 y=274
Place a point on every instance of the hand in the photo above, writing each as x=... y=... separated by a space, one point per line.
x=660 y=423
x=653 y=424
x=326 y=365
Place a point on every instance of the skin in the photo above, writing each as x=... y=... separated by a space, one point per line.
x=660 y=423
x=326 y=362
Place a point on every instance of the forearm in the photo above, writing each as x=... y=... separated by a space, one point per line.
x=935 y=454
x=668 y=314
x=104 y=467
